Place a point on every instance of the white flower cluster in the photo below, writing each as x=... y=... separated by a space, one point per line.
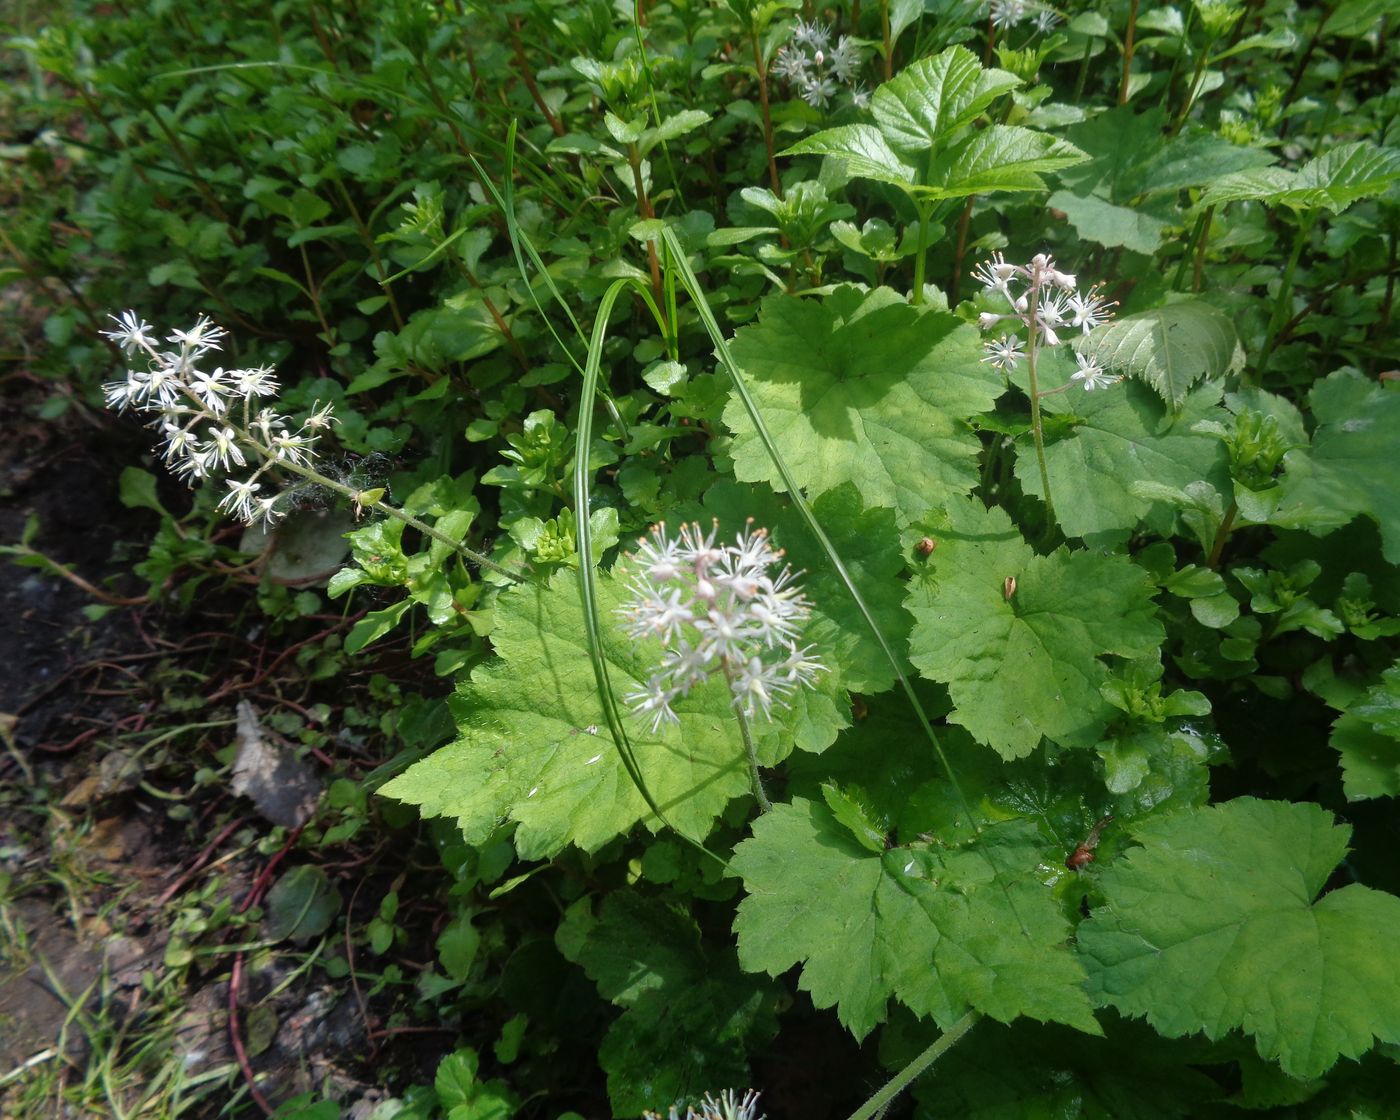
x=206 y=418
x=717 y=609
x=728 y=1106
x=1007 y=13
x=816 y=69
x=1045 y=301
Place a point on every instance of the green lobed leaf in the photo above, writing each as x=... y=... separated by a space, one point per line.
x=1171 y=347
x=1214 y=925
x=1098 y=220
x=999 y=158
x=1353 y=466
x=1380 y=706
x=689 y=1015
x=938 y=929
x=1333 y=181
x=932 y=98
x=1026 y=665
x=862 y=149
x=1370 y=760
x=863 y=388
x=1367 y=737
x=1117 y=437
x=534 y=746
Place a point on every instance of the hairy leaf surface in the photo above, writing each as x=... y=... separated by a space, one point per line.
x=1353 y=466
x=1025 y=664
x=931 y=98
x=1332 y=181
x=535 y=747
x=1214 y=925
x=862 y=388
x=1171 y=347
x=1120 y=436
x=689 y=1015
x=940 y=930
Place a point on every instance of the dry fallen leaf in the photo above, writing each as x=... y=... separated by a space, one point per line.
x=280 y=785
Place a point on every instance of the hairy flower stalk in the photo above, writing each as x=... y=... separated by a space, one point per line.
x=215 y=421
x=1044 y=302
x=718 y=609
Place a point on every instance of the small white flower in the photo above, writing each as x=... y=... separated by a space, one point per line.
x=1045 y=19
x=132 y=333
x=292 y=446
x=198 y=462
x=719 y=610
x=320 y=417
x=1090 y=309
x=860 y=96
x=658 y=614
x=812 y=35
x=1092 y=375
x=844 y=60
x=818 y=91
x=653 y=699
x=225 y=447
x=177 y=439
x=1053 y=309
x=240 y=500
x=257 y=382
x=790 y=65
x=995 y=275
x=123 y=394
x=1007 y=13
x=1005 y=352
x=264 y=423
x=205 y=335
x=210 y=389
x=265 y=509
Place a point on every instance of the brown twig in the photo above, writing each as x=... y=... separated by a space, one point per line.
x=199 y=861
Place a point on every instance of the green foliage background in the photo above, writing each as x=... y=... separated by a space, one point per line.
x=548 y=258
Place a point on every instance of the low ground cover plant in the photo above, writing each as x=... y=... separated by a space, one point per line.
x=893 y=507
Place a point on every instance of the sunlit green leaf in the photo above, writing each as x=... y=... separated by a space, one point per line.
x=1214 y=925
x=863 y=388
x=1018 y=637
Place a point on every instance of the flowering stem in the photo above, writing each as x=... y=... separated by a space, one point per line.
x=1036 y=427
x=764 y=805
x=762 y=68
x=885 y=35
x=900 y=1081
x=380 y=506
x=920 y=263
x=1128 y=53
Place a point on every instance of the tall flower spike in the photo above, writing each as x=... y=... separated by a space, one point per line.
x=189 y=402
x=1058 y=305
x=720 y=609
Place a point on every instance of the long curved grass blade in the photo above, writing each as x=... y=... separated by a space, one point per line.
x=521 y=246
x=591 y=623
x=707 y=317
